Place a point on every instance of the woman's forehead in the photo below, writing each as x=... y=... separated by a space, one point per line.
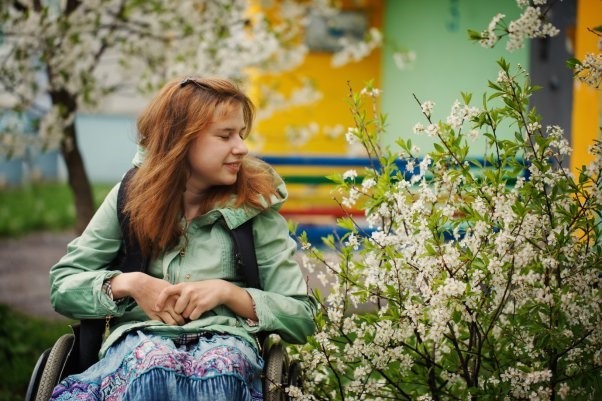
x=225 y=110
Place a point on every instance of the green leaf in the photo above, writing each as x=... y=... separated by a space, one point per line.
x=474 y=35
x=346 y=223
x=572 y=63
x=466 y=97
x=503 y=64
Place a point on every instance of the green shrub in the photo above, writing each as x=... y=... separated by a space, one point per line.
x=22 y=339
x=41 y=206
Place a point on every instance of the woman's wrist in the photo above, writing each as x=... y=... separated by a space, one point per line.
x=239 y=301
x=121 y=285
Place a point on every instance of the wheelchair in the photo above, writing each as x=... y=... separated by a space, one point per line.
x=62 y=360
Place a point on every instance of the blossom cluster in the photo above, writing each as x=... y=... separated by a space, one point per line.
x=355 y=50
x=531 y=24
x=589 y=70
x=464 y=282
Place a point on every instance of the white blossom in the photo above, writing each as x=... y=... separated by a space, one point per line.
x=404 y=60
x=352 y=135
x=589 y=70
x=418 y=128
x=354 y=50
x=427 y=108
x=368 y=183
x=350 y=175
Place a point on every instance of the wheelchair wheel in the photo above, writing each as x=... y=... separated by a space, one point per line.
x=274 y=371
x=32 y=388
x=54 y=366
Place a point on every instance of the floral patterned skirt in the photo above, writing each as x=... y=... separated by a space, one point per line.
x=149 y=367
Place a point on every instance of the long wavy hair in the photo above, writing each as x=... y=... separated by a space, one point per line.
x=180 y=112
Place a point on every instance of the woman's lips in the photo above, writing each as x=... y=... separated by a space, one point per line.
x=233 y=167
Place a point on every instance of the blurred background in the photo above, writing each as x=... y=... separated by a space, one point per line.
x=303 y=114
x=299 y=62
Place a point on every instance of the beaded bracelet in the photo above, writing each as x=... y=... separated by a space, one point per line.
x=107 y=289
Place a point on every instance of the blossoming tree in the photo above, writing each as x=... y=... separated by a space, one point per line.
x=54 y=56
x=470 y=278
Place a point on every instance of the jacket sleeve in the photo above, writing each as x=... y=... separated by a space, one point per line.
x=283 y=305
x=76 y=280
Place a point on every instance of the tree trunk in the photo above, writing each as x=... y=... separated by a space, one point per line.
x=78 y=179
x=76 y=170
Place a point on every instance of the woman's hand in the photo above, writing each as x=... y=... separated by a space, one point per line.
x=194 y=299
x=145 y=290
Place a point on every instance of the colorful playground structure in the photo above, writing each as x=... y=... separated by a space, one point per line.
x=311 y=202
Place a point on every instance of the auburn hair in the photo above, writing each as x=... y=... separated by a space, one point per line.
x=174 y=118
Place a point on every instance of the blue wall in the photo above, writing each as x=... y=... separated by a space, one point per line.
x=447 y=62
x=107 y=143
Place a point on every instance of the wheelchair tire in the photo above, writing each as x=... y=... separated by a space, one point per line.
x=34 y=381
x=54 y=366
x=274 y=374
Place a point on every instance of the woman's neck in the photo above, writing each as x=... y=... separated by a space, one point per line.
x=194 y=203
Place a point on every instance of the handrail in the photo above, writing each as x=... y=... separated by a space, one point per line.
x=340 y=161
x=350 y=161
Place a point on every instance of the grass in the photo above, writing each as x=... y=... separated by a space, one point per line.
x=40 y=207
x=36 y=207
x=22 y=340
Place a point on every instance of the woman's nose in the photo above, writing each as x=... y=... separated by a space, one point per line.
x=240 y=148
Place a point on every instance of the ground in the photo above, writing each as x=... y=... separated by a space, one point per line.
x=24 y=266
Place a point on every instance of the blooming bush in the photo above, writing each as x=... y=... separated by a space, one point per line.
x=469 y=279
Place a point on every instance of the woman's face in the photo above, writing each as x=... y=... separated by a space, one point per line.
x=216 y=154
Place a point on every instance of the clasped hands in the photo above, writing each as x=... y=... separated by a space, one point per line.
x=177 y=304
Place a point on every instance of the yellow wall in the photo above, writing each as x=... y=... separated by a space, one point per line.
x=332 y=109
x=586 y=102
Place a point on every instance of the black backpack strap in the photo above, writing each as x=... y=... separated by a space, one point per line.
x=129 y=259
x=245 y=252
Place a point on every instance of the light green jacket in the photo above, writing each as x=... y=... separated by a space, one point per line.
x=282 y=305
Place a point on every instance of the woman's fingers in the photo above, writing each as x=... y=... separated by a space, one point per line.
x=164 y=295
x=182 y=302
x=196 y=313
x=189 y=300
x=188 y=312
x=177 y=318
x=168 y=319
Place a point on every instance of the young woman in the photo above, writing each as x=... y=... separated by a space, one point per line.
x=184 y=329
